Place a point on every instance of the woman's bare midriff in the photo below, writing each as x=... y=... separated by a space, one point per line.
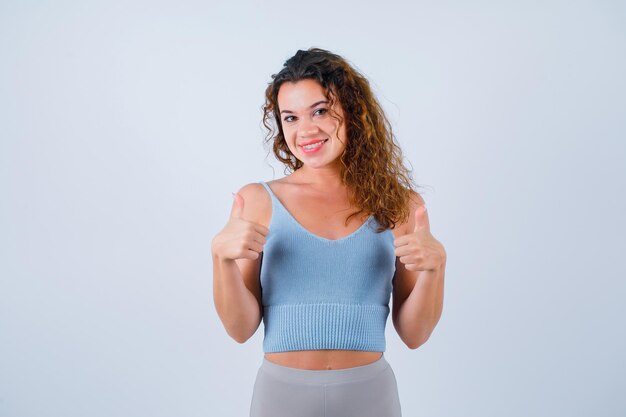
x=323 y=359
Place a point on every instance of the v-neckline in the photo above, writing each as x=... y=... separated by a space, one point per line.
x=275 y=197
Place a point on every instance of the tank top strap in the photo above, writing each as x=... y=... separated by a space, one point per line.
x=271 y=193
x=277 y=207
x=267 y=187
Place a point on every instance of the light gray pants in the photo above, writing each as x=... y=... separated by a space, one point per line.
x=362 y=391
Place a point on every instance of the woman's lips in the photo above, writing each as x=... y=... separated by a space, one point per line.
x=314 y=149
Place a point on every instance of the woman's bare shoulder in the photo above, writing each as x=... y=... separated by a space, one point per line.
x=257 y=203
x=284 y=186
x=289 y=179
x=402 y=227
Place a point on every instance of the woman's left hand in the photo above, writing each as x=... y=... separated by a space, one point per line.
x=419 y=250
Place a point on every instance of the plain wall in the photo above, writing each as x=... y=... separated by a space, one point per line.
x=125 y=126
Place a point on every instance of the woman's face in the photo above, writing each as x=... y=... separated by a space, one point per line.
x=306 y=120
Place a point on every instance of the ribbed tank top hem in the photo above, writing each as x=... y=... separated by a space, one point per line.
x=314 y=326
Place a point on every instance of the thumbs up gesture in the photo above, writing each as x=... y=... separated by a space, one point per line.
x=240 y=238
x=419 y=250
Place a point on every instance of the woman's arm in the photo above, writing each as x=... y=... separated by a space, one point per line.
x=417 y=303
x=236 y=285
x=419 y=279
x=236 y=305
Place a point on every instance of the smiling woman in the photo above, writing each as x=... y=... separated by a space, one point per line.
x=319 y=95
x=308 y=129
x=317 y=255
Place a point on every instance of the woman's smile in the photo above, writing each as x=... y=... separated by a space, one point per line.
x=313 y=147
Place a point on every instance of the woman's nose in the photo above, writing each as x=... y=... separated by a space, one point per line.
x=308 y=128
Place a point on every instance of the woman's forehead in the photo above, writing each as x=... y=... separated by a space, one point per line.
x=301 y=95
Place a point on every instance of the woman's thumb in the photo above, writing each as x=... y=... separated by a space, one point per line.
x=238 y=205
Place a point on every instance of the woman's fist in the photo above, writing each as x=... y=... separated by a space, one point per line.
x=240 y=238
x=419 y=250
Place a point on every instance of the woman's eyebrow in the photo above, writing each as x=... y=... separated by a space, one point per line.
x=310 y=107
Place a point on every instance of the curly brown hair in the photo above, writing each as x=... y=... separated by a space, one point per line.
x=372 y=163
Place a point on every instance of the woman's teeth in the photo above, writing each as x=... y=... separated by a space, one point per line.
x=314 y=145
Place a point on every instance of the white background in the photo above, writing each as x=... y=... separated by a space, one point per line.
x=125 y=126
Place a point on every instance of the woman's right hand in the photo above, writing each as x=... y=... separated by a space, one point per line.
x=239 y=239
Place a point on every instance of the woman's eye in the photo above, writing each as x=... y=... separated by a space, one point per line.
x=318 y=111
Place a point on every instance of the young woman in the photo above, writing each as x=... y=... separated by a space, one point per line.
x=317 y=254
